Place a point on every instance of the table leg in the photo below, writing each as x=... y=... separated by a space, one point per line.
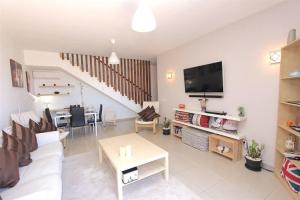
x=166 y=172
x=119 y=185
x=55 y=121
x=100 y=154
x=96 y=130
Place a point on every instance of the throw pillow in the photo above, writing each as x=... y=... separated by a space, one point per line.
x=45 y=126
x=12 y=143
x=150 y=115
x=204 y=121
x=34 y=126
x=9 y=169
x=27 y=136
x=143 y=112
x=291 y=174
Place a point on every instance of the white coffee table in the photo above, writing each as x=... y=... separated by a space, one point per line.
x=147 y=157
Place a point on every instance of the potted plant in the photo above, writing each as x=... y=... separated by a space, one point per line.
x=166 y=126
x=253 y=157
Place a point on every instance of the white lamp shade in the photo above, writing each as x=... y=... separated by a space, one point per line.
x=143 y=19
x=113 y=59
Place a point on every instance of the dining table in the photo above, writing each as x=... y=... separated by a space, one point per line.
x=67 y=114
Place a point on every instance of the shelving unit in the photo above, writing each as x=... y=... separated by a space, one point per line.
x=56 y=86
x=288 y=91
x=234 y=118
x=236 y=136
x=218 y=132
x=235 y=152
x=62 y=94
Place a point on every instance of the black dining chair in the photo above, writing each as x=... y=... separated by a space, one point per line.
x=91 y=121
x=77 y=118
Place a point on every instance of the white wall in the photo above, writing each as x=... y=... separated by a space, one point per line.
x=11 y=98
x=249 y=80
x=91 y=97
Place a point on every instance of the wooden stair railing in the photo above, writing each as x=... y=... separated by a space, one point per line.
x=132 y=78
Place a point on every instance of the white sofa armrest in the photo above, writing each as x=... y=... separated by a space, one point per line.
x=47 y=138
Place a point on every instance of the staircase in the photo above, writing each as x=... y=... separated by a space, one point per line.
x=132 y=78
x=128 y=83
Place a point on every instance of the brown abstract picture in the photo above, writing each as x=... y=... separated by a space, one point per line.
x=16 y=74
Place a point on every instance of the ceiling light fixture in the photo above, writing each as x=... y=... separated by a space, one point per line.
x=143 y=19
x=113 y=58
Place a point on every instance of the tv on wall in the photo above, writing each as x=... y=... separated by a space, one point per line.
x=204 y=78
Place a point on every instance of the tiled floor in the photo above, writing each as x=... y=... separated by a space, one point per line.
x=209 y=175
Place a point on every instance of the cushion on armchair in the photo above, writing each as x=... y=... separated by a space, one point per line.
x=149 y=114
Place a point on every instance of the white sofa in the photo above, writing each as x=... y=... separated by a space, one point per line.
x=41 y=179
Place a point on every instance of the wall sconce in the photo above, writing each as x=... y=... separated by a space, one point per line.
x=169 y=75
x=275 y=57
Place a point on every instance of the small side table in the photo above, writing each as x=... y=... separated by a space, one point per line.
x=235 y=146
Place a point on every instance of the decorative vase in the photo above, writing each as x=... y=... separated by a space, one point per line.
x=291 y=36
x=203 y=104
x=289 y=145
x=253 y=164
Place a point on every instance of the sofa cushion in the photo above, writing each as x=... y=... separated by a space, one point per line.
x=45 y=126
x=144 y=111
x=25 y=135
x=9 y=168
x=33 y=126
x=39 y=168
x=12 y=143
x=52 y=149
x=44 y=188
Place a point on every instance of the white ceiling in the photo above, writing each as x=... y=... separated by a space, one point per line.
x=86 y=26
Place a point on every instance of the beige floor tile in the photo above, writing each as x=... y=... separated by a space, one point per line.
x=209 y=175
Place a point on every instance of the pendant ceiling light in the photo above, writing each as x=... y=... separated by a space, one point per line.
x=143 y=19
x=113 y=58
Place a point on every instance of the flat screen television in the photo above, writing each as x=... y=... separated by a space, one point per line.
x=204 y=78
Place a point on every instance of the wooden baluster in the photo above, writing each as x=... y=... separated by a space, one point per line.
x=149 y=66
x=68 y=56
x=114 y=74
x=142 y=80
x=99 y=69
x=121 y=77
x=125 y=77
x=135 y=82
x=147 y=80
x=131 y=72
x=77 y=60
x=95 y=67
x=86 y=64
x=103 y=70
x=81 y=64
x=129 y=79
x=91 y=65
x=107 y=72
x=117 y=77
x=138 y=81
x=72 y=59
x=62 y=56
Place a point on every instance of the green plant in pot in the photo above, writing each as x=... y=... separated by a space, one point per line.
x=253 y=157
x=166 y=126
